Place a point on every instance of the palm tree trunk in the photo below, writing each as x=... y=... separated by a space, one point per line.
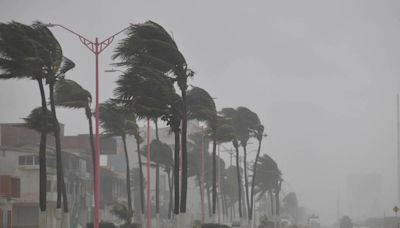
x=157 y=188
x=246 y=181
x=209 y=200
x=253 y=179
x=235 y=144
x=277 y=203
x=214 y=176
x=60 y=176
x=184 y=150
x=272 y=202
x=176 y=171
x=157 y=179
x=171 y=187
x=88 y=113
x=128 y=179
x=156 y=124
x=42 y=158
x=277 y=209
x=141 y=175
x=61 y=190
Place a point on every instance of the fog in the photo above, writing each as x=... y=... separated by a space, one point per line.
x=322 y=76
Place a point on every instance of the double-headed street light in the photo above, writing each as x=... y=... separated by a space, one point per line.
x=96 y=48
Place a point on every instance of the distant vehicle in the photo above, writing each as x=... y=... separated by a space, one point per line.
x=313 y=221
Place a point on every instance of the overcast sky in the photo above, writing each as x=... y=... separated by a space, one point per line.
x=322 y=76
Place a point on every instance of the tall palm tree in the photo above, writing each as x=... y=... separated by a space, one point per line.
x=201 y=106
x=116 y=121
x=258 y=134
x=149 y=94
x=69 y=94
x=270 y=180
x=150 y=44
x=51 y=80
x=31 y=52
x=232 y=116
x=249 y=121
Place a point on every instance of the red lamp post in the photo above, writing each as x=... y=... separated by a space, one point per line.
x=96 y=48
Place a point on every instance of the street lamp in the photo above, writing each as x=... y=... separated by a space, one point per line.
x=96 y=48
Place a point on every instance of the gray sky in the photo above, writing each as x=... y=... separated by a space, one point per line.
x=322 y=76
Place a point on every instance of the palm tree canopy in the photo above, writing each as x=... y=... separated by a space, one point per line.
x=225 y=130
x=28 y=51
x=245 y=123
x=159 y=152
x=146 y=91
x=34 y=120
x=116 y=121
x=201 y=106
x=150 y=44
x=70 y=94
x=269 y=174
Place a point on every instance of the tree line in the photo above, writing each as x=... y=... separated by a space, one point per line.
x=153 y=69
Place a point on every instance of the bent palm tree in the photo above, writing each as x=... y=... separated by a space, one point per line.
x=270 y=181
x=144 y=90
x=31 y=52
x=259 y=134
x=69 y=94
x=201 y=106
x=117 y=122
x=150 y=44
x=249 y=121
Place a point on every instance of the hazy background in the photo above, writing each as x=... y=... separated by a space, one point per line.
x=322 y=76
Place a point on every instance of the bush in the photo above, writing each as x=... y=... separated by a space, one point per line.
x=102 y=225
x=214 y=225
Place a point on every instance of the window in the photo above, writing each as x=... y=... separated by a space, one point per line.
x=21 y=160
x=29 y=160
x=36 y=160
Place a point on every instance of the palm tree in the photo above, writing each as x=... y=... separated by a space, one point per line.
x=70 y=94
x=150 y=44
x=116 y=121
x=146 y=91
x=34 y=120
x=259 y=134
x=270 y=181
x=249 y=121
x=51 y=80
x=232 y=116
x=201 y=106
x=31 y=52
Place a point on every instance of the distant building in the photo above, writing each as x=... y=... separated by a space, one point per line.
x=19 y=161
x=363 y=195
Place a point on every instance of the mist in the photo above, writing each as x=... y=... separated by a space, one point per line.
x=321 y=75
